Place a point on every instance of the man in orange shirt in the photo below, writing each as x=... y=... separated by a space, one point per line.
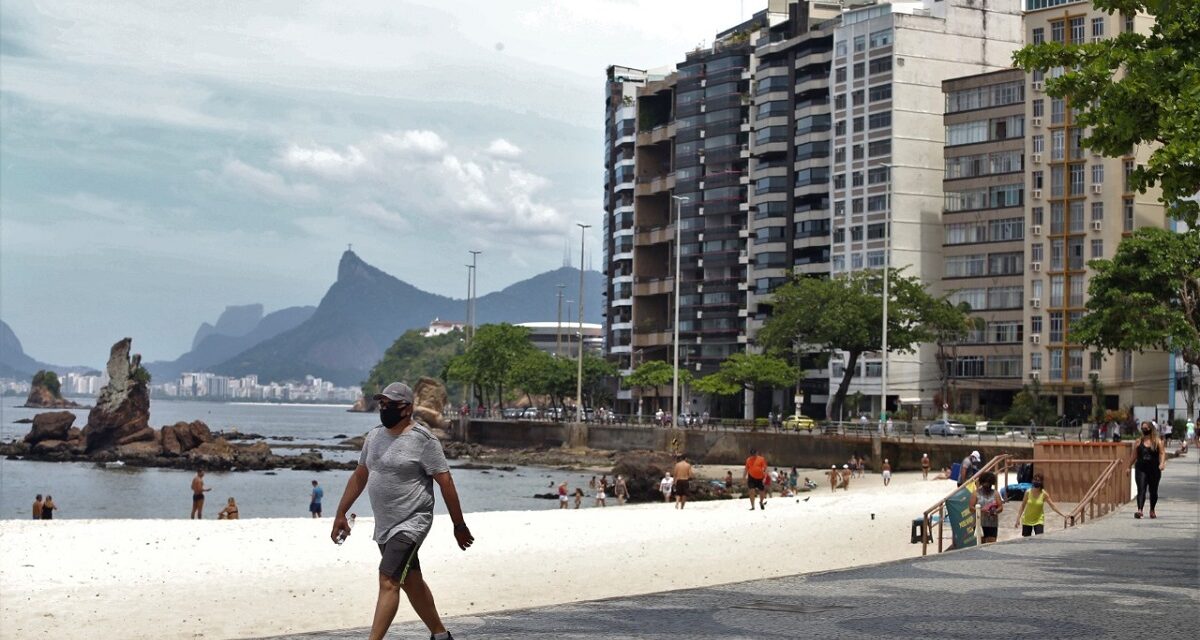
x=756 y=471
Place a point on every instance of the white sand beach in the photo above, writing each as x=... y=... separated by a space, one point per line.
x=132 y=579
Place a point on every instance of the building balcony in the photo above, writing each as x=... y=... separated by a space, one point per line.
x=653 y=337
x=653 y=286
x=657 y=135
x=650 y=185
x=654 y=235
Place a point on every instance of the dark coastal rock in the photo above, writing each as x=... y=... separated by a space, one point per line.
x=356 y=442
x=429 y=396
x=41 y=397
x=364 y=405
x=139 y=450
x=235 y=435
x=454 y=449
x=181 y=437
x=122 y=412
x=51 y=446
x=643 y=470
x=50 y=426
x=23 y=421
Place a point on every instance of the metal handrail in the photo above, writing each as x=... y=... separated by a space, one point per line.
x=1089 y=499
x=926 y=523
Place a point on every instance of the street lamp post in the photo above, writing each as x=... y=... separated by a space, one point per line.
x=887 y=268
x=579 y=372
x=558 y=331
x=474 y=288
x=679 y=200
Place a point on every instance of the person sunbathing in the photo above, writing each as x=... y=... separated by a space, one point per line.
x=230 y=512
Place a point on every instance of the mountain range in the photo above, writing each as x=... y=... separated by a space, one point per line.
x=366 y=310
x=15 y=363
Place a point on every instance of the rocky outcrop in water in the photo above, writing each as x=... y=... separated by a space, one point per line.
x=45 y=393
x=122 y=412
x=182 y=437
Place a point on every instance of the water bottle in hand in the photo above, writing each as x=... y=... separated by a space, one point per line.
x=349 y=525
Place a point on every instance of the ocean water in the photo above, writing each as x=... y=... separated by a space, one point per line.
x=86 y=490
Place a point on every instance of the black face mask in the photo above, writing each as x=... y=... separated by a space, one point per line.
x=392 y=415
x=1037 y=485
x=1146 y=432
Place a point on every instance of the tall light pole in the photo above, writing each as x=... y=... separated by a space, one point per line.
x=679 y=200
x=474 y=288
x=467 y=390
x=887 y=268
x=579 y=373
x=558 y=331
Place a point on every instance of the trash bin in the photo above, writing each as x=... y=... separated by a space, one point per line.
x=954 y=471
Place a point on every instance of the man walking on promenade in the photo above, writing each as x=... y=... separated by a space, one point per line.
x=198 y=491
x=756 y=471
x=400 y=461
x=683 y=480
x=314 y=505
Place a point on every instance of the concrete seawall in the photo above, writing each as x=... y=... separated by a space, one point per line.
x=732 y=447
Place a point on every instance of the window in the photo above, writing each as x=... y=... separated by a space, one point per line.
x=1057 y=110
x=1056 y=364
x=1056 y=290
x=1004 y=297
x=1039 y=108
x=1010 y=127
x=839 y=102
x=880 y=119
x=1127 y=167
x=1075 y=254
x=966 y=200
x=1006 y=263
x=1056 y=218
x=839 y=75
x=1058 y=140
x=1097 y=28
x=1076 y=216
x=839 y=128
x=1036 y=216
x=1097 y=249
x=1039 y=143
x=1035 y=324
x=1039 y=181
x=879 y=92
x=1075 y=363
x=1127 y=214
x=1078 y=33
x=1097 y=211
x=1035 y=362
x=872 y=369
x=839 y=181
x=1078 y=172
x=856 y=206
x=839 y=155
x=880 y=65
x=966 y=232
x=860 y=43
x=858 y=70
x=1039 y=35
x=879 y=148
x=967 y=133
x=1058 y=31
x=964 y=266
x=1004 y=332
x=875 y=260
x=1006 y=229
x=1096 y=361
x=1097 y=174
x=1035 y=291
x=877 y=175
x=1005 y=196
x=856 y=97
x=840 y=48
x=881 y=38
x=967 y=367
x=856 y=261
x=877 y=203
x=1056 y=254
x=856 y=152
x=1128 y=29
x=1056 y=181
x=857 y=124
x=975 y=299
x=876 y=231
x=1056 y=327
x=1036 y=252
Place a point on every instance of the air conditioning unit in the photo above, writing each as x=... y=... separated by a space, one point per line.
x=1035 y=338
x=1036 y=229
x=1037 y=85
x=1035 y=266
x=1037 y=158
x=1097 y=189
x=1037 y=122
x=1034 y=375
x=1097 y=225
x=1036 y=303
x=1037 y=194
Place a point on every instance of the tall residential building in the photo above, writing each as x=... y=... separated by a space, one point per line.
x=620 y=130
x=983 y=240
x=1080 y=206
x=887 y=168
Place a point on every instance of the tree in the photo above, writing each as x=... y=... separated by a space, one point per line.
x=1137 y=89
x=495 y=349
x=412 y=356
x=746 y=372
x=1029 y=407
x=654 y=374
x=845 y=313
x=1097 y=388
x=49 y=380
x=1147 y=297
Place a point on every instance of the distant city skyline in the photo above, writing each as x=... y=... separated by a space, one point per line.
x=160 y=163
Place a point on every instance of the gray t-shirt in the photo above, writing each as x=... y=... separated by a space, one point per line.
x=400 y=483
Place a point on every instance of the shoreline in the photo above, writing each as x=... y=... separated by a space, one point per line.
x=112 y=571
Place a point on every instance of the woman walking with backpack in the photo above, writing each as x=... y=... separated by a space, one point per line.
x=1149 y=460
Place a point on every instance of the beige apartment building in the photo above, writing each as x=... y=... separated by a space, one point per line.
x=983 y=247
x=1079 y=208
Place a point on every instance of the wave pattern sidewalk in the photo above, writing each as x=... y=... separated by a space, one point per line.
x=1115 y=578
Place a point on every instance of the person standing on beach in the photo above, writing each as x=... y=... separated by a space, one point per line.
x=401 y=460
x=835 y=478
x=198 y=491
x=562 y=495
x=755 y=474
x=314 y=504
x=887 y=472
x=925 y=466
x=620 y=490
x=48 y=508
x=1149 y=460
x=683 y=480
x=846 y=475
x=37 y=507
x=578 y=497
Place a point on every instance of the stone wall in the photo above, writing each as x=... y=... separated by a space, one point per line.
x=732 y=447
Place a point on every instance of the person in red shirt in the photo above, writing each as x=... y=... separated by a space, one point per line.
x=756 y=472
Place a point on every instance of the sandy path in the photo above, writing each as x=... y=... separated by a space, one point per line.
x=179 y=579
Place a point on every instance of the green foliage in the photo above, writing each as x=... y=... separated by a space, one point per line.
x=49 y=380
x=742 y=371
x=1138 y=89
x=1097 y=388
x=412 y=356
x=1030 y=406
x=140 y=375
x=845 y=313
x=494 y=351
x=654 y=373
x=1147 y=296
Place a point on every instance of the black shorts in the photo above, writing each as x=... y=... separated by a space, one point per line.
x=755 y=483
x=399 y=558
x=683 y=488
x=314 y=507
x=990 y=532
x=197 y=497
x=1028 y=530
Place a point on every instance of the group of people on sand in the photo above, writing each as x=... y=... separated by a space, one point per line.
x=598 y=488
x=231 y=512
x=43 y=508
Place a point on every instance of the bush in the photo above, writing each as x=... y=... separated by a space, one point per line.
x=49 y=380
x=140 y=375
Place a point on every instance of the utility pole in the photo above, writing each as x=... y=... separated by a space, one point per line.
x=558 y=331
x=887 y=268
x=579 y=415
x=467 y=390
x=679 y=200
x=474 y=288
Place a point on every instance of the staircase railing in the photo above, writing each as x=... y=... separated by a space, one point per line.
x=998 y=463
x=1103 y=496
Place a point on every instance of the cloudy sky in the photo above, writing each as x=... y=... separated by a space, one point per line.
x=161 y=159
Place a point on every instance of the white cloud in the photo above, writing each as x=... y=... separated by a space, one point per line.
x=265 y=183
x=424 y=143
x=323 y=161
x=501 y=148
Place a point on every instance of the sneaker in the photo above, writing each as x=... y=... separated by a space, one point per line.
x=1153 y=515
x=1138 y=515
x=448 y=636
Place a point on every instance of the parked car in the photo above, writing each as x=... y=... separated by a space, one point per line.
x=941 y=427
x=530 y=413
x=797 y=422
x=511 y=413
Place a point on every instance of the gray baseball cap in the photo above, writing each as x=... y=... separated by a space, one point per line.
x=396 y=392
